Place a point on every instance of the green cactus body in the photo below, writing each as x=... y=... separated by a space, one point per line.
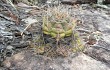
x=78 y=44
x=59 y=26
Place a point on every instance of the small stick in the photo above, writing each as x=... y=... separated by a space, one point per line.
x=26 y=28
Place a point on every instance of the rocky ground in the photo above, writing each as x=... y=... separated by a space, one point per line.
x=16 y=55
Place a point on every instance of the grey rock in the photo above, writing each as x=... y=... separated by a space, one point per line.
x=79 y=1
x=27 y=60
x=99 y=53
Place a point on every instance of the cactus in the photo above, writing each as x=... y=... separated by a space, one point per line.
x=58 y=24
x=59 y=36
x=78 y=45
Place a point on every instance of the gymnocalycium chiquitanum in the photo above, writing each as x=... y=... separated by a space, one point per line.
x=58 y=24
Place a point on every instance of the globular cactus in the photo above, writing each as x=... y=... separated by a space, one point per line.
x=58 y=24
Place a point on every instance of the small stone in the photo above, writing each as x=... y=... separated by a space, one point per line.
x=92 y=40
x=9 y=47
x=7 y=63
x=18 y=57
